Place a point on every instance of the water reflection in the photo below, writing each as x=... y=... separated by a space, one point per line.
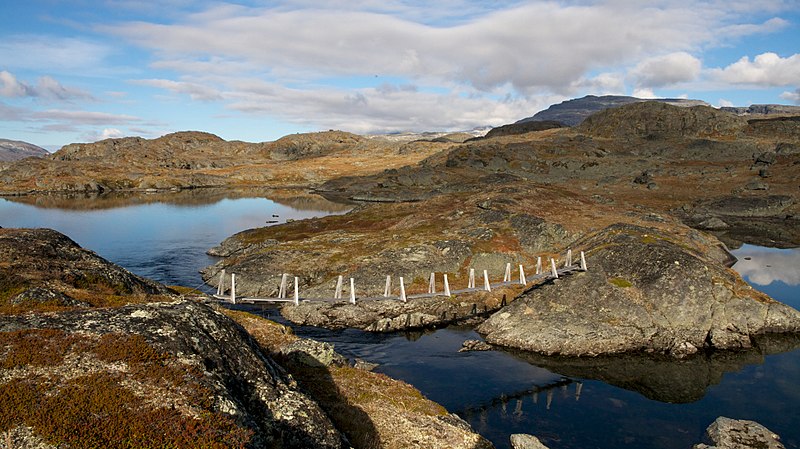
x=763 y=266
x=665 y=379
x=294 y=198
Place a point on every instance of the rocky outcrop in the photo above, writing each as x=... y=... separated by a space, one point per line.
x=727 y=433
x=523 y=127
x=654 y=120
x=13 y=150
x=44 y=268
x=525 y=441
x=573 y=112
x=646 y=290
x=186 y=373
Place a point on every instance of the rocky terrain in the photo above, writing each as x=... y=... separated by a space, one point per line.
x=573 y=112
x=13 y=150
x=94 y=356
x=194 y=159
x=631 y=177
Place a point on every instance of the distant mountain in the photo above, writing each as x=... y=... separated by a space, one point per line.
x=12 y=150
x=762 y=109
x=573 y=112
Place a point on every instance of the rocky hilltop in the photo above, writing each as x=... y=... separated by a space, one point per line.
x=12 y=150
x=195 y=159
x=573 y=112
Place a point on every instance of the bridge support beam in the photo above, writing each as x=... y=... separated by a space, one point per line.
x=583 y=262
x=282 y=290
x=296 y=292
x=233 y=288
x=507 y=274
x=522 y=279
x=221 y=285
x=538 y=265
x=486 y=285
x=387 y=291
x=338 y=292
x=352 y=291
x=553 y=270
x=402 y=290
x=471 y=282
x=446 y=286
x=568 y=262
x=432 y=284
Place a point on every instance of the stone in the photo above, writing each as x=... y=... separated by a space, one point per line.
x=713 y=223
x=645 y=290
x=525 y=441
x=727 y=433
x=756 y=185
x=474 y=345
x=312 y=353
x=766 y=158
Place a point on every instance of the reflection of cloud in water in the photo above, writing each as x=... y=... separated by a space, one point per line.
x=767 y=265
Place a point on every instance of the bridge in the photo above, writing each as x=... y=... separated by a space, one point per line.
x=540 y=275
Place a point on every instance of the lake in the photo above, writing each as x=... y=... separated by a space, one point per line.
x=590 y=403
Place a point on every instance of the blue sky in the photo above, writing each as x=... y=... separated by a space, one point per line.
x=82 y=70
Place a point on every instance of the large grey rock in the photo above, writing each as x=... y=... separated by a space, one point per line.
x=244 y=384
x=727 y=433
x=645 y=290
x=525 y=441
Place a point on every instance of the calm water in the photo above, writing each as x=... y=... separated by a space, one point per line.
x=595 y=403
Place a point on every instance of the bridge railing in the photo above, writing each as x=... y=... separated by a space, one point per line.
x=540 y=274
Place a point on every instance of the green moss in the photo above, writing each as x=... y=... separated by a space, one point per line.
x=620 y=282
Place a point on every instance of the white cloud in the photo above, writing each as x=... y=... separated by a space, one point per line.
x=195 y=91
x=644 y=92
x=725 y=103
x=47 y=88
x=85 y=117
x=766 y=69
x=794 y=97
x=52 y=55
x=666 y=70
x=106 y=133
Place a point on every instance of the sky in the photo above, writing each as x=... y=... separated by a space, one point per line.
x=83 y=70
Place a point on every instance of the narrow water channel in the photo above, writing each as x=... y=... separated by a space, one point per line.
x=596 y=403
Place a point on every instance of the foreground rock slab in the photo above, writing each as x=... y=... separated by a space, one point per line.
x=727 y=433
x=646 y=291
x=145 y=372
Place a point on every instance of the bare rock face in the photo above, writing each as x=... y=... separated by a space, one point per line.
x=43 y=266
x=727 y=433
x=645 y=291
x=12 y=150
x=656 y=120
x=181 y=359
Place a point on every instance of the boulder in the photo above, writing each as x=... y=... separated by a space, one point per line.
x=646 y=290
x=181 y=361
x=525 y=441
x=727 y=433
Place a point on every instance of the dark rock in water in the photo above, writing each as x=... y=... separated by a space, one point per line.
x=645 y=290
x=234 y=377
x=525 y=441
x=727 y=433
x=474 y=345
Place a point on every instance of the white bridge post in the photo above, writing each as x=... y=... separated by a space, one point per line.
x=583 y=262
x=553 y=270
x=352 y=291
x=432 y=284
x=296 y=292
x=233 y=288
x=282 y=290
x=388 y=289
x=402 y=290
x=568 y=262
x=507 y=274
x=486 y=285
x=522 y=279
x=446 y=286
x=338 y=292
x=471 y=282
x=539 y=265
x=221 y=285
